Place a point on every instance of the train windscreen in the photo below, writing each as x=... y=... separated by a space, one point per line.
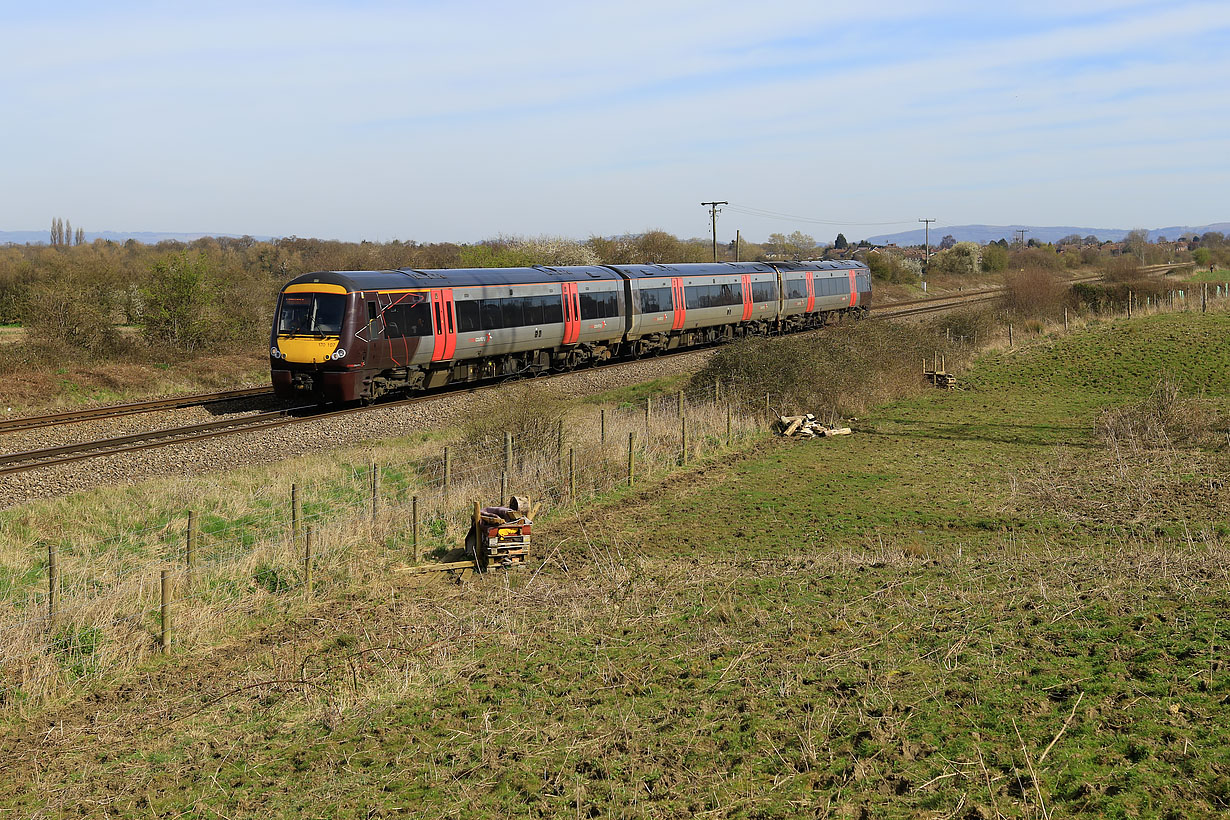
x=311 y=314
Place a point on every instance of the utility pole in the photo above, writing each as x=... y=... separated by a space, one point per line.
x=738 y=241
x=713 y=212
x=926 y=245
x=1020 y=232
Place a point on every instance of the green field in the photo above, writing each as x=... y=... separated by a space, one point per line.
x=976 y=606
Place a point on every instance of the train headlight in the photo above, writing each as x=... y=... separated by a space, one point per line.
x=274 y=353
x=340 y=353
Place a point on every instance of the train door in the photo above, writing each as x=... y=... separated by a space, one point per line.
x=810 y=278
x=853 y=290
x=443 y=325
x=572 y=313
x=681 y=308
x=747 y=296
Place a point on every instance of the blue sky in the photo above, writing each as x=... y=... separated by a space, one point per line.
x=458 y=121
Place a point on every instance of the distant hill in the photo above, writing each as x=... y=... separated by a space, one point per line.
x=982 y=234
x=145 y=237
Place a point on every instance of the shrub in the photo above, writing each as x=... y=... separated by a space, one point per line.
x=61 y=320
x=178 y=301
x=963 y=259
x=841 y=371
x=887 y=266
x=1121 y=269
x=522 y=409
x=969 y=324
x=1032 y=293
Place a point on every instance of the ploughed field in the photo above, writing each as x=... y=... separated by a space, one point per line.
x=1009 y=600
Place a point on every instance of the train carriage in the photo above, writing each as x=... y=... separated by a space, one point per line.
x=347 y=335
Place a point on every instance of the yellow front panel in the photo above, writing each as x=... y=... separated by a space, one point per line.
x=307 y=349
x=316 y=288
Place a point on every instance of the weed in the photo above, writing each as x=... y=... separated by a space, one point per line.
x=269 y=578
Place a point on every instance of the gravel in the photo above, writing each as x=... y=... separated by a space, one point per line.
x=270 y=446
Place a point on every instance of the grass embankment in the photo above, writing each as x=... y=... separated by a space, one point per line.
x=912 y=621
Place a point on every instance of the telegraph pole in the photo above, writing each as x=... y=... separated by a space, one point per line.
x=926 y=244
x=713 y=212
x=1020 y=232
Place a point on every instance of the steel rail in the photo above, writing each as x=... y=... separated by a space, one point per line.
x=115 y=410
x=37 y=459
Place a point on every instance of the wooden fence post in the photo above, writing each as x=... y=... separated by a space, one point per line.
x=729 y=428
x=190 y=543
x=648 y=410
x=480 y=546
x=294 y=512
x=1010 y=334
x=717 y=389
x=1065 y=318
x=414 y=528
x=503 y=487
x=448 y=473
x=375 y=490
x=508 y=450
x=53 y=583
x=602 y=427
x=631 y=462
x=164 y=611
x=307 y=561
x=1204 y=297
x=679 y=400
x=1130 y=304
x=572 y=472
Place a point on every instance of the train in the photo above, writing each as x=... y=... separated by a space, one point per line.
x=346 y=336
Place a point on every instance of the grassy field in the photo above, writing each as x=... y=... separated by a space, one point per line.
x=988 y=602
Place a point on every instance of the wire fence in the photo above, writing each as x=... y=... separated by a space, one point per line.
x=88 y=608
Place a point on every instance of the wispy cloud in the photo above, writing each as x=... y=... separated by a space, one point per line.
x=461 y=120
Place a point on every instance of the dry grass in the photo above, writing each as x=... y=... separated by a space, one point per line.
x=1163 y=419
x=249 y=563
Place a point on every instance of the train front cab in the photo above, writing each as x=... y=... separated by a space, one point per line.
x=314 y=354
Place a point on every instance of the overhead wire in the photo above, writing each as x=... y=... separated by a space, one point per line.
x=768 y=214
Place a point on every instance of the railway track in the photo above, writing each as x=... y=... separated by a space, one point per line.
x=30 y=460
x=115 y=410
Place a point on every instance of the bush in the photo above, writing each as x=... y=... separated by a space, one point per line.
x=1121 y=269
x=966 y=326
x=962 y=259
x=522 y=409
x=1033 y=293
x=889 y=267
x=62 y=320
x=994 y=258
x=178 y=302
x=841 y=371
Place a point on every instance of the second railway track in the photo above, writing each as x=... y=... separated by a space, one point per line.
x=30 y=460
x=135 y=408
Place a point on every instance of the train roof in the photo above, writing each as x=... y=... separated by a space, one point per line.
x=361 y=280
x=693 y=269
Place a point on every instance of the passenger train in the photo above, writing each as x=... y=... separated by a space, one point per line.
x=342 y=336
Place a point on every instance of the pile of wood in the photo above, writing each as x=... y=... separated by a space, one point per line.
x=806 y=427
x=945 y=381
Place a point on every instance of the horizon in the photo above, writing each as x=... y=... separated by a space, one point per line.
x=474 y=120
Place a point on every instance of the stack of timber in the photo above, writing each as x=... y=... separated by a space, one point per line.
x=938 y=375
x=807 y=427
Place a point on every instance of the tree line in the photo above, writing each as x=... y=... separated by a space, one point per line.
x=217 y=294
